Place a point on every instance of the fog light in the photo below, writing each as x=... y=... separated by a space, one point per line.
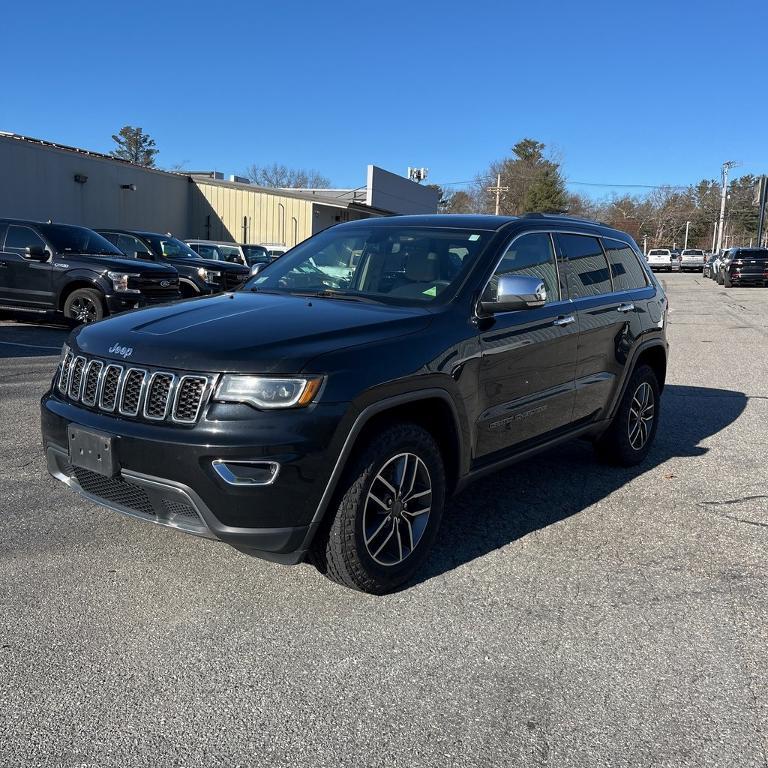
x=247 y=472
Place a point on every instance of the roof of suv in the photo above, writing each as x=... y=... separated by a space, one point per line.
x=754 y=251
x=474 y=220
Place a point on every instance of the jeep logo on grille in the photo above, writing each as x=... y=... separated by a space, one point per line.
x=164 y=283
x=117 y=349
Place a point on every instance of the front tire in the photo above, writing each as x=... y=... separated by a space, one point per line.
x=633 y=429
x=727 y=283
x=84 y=305
x=387 y=512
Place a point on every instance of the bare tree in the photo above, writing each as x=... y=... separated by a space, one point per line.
x=279 y=175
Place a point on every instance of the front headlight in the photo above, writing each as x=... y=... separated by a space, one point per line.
x=120 y=281
x=208 y=274
x=268 y=391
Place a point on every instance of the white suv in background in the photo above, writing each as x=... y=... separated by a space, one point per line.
x=692 y=259
x=662 y=258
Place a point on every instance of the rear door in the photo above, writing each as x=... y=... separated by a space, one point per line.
x=28 y=283
x=528 y=363
x=606 y=286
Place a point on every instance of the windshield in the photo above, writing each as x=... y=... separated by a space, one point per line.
x=693 y=252
x=68 y=239
x=658 y=253
x=402 y=265
x=171 y=247
x=255 y=254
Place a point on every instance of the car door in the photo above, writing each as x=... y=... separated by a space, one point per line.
x=605 y=287
x=528 y=357
x=28 y=283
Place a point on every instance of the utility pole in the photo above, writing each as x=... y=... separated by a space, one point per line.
x=498 y=189
x=727 y=165
x=687 y=225
x=762 y=199
x=645 y=245
x=714 y=236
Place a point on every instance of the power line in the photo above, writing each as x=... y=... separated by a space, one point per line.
x=574 y=182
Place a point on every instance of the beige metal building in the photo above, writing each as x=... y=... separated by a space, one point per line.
x=41 y=180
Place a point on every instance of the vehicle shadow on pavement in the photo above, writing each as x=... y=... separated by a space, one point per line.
x=562 y=482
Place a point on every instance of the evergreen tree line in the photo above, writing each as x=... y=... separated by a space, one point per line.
x=533 y=182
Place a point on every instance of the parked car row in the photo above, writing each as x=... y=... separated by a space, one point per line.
x=87 y=274
x=738 y=266
x=671 y=260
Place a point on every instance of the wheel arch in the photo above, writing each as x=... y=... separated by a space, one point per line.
x=652 y=353
x=77 y=284
x=416 y=406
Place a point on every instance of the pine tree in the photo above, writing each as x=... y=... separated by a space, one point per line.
x=135 y=146
x=546 y=193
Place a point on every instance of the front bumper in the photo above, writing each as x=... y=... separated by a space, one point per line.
x=122 y=302
x=166 y=474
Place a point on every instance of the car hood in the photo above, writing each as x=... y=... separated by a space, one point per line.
x=116 y=264
x=244 y=332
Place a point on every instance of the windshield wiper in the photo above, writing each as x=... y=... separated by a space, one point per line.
x=329 y=293
x=259 y=289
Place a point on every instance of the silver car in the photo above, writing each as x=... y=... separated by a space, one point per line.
x=692 y=260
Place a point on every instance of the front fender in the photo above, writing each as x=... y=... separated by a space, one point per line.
x=82 y=276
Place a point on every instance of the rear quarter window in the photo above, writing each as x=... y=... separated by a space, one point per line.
x=626 y=270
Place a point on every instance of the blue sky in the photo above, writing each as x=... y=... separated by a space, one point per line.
x=634 y=93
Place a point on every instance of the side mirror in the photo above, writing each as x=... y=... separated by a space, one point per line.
x=146 y=255
x=514 y=292
x=36 y=253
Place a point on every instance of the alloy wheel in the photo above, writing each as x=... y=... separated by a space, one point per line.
x=83 y=309
x=641 y=414
x=397 y=509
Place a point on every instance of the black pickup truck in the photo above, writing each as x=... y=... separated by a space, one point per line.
x=73 y=270
x=197 y=276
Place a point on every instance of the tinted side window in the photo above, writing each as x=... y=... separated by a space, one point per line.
x=130 y=245
x=530 y=255
x=206 y=251
x=19 y=238
x=625 y=268
x=586 y=269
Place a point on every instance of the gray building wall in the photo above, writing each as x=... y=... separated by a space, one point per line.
x=37 y=182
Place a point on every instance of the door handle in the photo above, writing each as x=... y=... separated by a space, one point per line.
x=564 y=320
x=625 y=308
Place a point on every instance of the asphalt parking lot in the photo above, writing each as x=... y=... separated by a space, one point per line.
x=571 y=615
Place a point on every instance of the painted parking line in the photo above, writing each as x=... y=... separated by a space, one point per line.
x=28 y=346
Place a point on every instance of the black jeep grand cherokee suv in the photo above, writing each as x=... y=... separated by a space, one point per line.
x=327 y=410
x=62 y=268
x=197 y=276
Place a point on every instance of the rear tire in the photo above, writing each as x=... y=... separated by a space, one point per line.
x=727 y=281
x=84 y=305
x=633 y=429
x=375 y=539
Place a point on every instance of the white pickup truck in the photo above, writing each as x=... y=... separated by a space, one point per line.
x=692 y=259
x=662 y=258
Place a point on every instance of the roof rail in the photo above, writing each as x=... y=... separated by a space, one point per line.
x=537 y=215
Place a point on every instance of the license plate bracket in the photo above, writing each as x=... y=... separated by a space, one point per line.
x=92 y=450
